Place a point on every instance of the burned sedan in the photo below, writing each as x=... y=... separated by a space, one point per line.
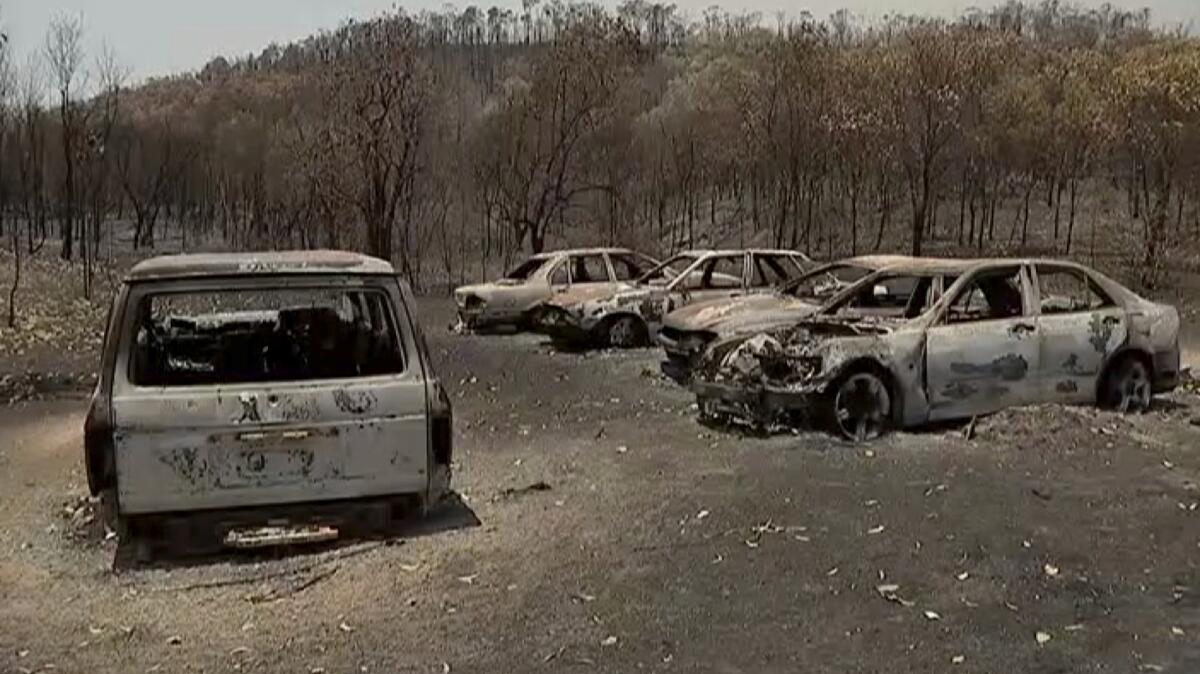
x=238 y=391
x=687 y=331
x=516 y=298
x=632 y=314
x=1004 y=333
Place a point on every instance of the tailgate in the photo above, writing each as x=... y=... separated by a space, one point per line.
x=193 y=449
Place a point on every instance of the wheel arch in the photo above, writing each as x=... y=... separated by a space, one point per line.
x=878 y=368
x=1118 y=357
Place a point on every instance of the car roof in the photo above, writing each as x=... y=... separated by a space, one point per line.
x=257 y=264
x=549 y=255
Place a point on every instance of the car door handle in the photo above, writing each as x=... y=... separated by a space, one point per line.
x=1022 y=329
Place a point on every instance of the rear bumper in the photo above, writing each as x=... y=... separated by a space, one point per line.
x=201 y=532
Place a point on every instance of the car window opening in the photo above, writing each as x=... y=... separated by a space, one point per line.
x=991 y=296
x=274 y=335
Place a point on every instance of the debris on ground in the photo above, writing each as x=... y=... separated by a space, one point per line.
x=890 y=592
x=513 y=492
x=1043 y=637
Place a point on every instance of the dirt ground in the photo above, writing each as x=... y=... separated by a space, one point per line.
x=653 y=545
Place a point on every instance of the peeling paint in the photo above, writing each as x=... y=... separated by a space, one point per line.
x=355 y=402
x=1009 y=367
x=249 y=405
x=1101 y=330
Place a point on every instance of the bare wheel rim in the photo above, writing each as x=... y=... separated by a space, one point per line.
x=1131 y=387
x=861 y=407
x=623 y=332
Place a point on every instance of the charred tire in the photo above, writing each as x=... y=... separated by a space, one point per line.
x=1127 y=385
x=624 y=332
x=858 y=406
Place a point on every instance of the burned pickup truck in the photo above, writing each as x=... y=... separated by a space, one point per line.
x=971 y=338
x=286 y=389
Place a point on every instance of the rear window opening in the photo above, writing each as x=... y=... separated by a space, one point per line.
x=263 y=335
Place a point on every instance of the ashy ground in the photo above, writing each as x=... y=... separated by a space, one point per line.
x=602 y=529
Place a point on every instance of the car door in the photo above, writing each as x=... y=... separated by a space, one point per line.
x=718 y=277
x=1079 y=327
x=982 y=350
x=589 y=270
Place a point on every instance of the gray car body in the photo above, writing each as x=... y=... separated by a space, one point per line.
x=935 y=370
x=184 y=448
x=686 y=332
x=579 y=314
x=513 y=302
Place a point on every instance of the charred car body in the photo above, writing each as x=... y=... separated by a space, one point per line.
x=264 y=388
x=972 y=337
x=631 y=314
x=515 y=299
x=687 y=331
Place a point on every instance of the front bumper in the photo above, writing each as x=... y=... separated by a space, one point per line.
x=755 y=405
x=681 y=360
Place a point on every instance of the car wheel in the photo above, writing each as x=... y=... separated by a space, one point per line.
x=1128 y=387
x=625 y=332
x=860 y=406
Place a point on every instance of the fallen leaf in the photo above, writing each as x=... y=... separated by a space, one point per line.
x=1149 y=667
x=875 y=530
x=963 y=576
x=239 y=650
x=345 y=627
x=958 y=659
x=885 y=590
x=1177 y=631
x=1043 y=637
x=445 y=668
x=1050 y=570
x=702 y=514
x=832 y=572
x=622 y=449
x=609 y=641
x=1073 y=628
x=932 y=615
x=583 y=597
x=469 y=580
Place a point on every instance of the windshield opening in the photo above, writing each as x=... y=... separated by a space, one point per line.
x=888 y=296
x=823 y=283
x=525 y=270
x=663 y=273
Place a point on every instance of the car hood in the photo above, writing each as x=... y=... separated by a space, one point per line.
x=576 y=295
x=737 y=314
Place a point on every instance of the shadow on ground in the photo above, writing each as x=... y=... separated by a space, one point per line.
x=451 y=515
